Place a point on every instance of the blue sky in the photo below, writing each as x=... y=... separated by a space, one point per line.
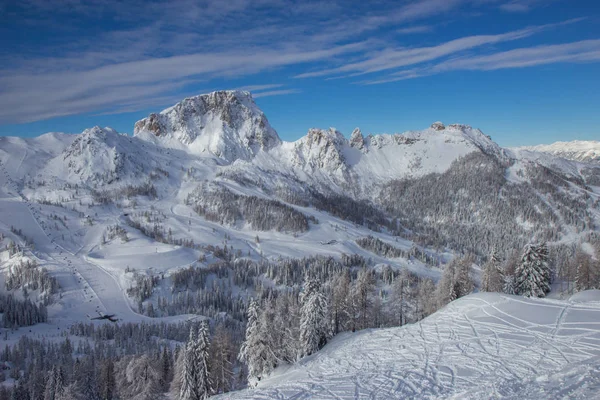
x=523 y=71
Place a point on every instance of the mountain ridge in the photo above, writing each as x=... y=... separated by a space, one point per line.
x=577 y=150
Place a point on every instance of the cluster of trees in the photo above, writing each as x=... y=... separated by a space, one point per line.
x=284 y=326
x=578 y=266
x=529 y=274
x=13 y=248
x=113 y=231
x=142 y=287
x=107 y=196
x=386 y=250
x=219 y=204
x=360 y=212
x=380 y=247
x=16 y=313
x=133 y=361
x=27 y=276
x=150 y=226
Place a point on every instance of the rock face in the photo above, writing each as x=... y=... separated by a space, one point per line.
x=357 y=140
x=320 y=149
x=438 y=126
x=227 y=124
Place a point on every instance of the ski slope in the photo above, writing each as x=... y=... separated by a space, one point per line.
x=478 y=347
x=86 y=288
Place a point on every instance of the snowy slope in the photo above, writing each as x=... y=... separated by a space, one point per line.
x=480 y=346
x=578 y=150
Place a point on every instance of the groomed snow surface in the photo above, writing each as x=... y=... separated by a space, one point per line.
x=482 y=346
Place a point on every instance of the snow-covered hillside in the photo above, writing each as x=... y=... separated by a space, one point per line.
x=479 y=347
x=205 y=208
x=578 y=150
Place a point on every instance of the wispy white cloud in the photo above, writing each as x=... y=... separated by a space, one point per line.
x=415 y=29
x=575 y=52
x=258 y=88
x=395 y=58
x=276 y=93
x=29 y=97
x=522 y=6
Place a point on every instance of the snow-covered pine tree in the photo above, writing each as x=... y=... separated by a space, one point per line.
x=55 y=385
x=508 y=270
x=203 y=384
x=138 y=378
x=492 y=279
x=254 y=351
x=313 y=317
x=532 y=275
x=187 y=371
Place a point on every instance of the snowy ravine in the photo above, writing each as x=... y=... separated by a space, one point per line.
x=478 y=347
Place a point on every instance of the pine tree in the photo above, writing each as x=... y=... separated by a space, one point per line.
x=255 y=351
x=166 y=374
x=55 y=385
x=508 y=272
x=203 y=383
x=138 y=378
x=426 y=301
x=313 y=318
x=532 y=275
x=107 y=380
x=187 y=376
x=492 y=279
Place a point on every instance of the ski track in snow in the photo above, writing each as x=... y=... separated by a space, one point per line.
x=481 y=346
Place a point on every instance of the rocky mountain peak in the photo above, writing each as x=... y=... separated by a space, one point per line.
x=320 y=149
x=438 y=126
x=227 y=124
x=357 y=139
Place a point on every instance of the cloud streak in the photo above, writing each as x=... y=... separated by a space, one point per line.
x=575 y=52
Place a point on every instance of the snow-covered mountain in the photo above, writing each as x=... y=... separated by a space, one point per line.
x=223 y=137
x=227 y=124
x=578 y=150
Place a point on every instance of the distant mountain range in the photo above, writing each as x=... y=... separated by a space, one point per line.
x=447 y=185
x=578 y=150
